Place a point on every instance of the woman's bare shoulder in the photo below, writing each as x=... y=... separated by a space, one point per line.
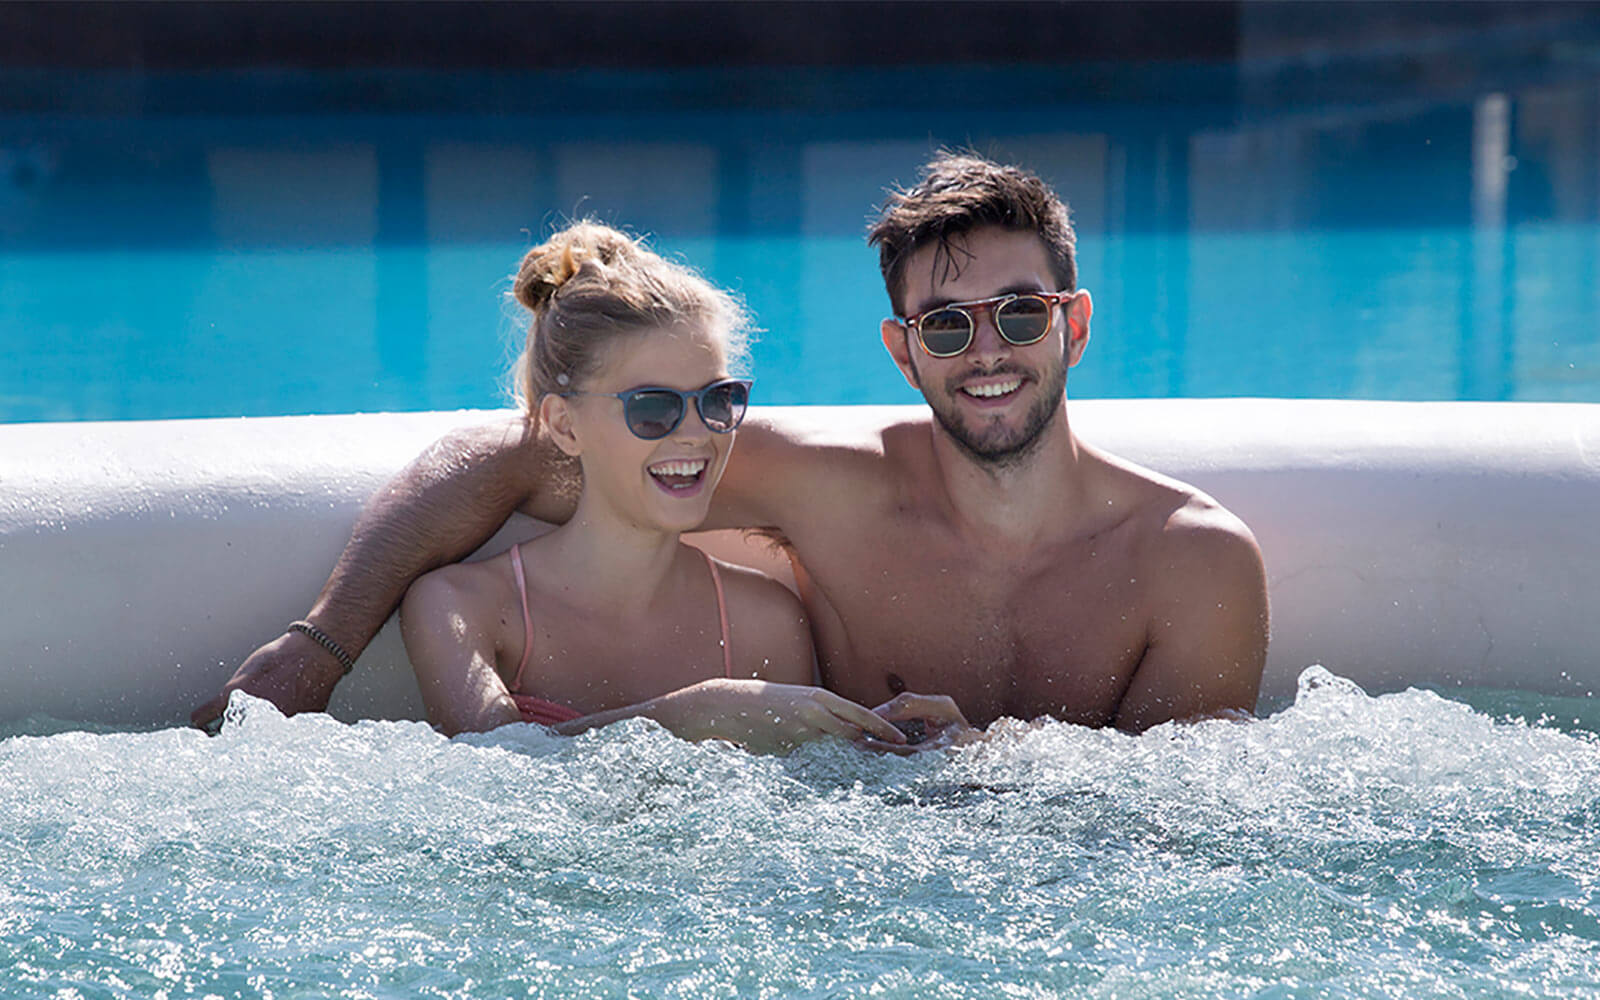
x=465 y=587
x=768 y=630
x=755 y=592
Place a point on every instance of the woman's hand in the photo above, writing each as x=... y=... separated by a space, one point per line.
x=925 y=721
x=765 y=717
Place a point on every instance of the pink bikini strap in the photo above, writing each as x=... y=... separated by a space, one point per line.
x=527 y=617
x=722 y=616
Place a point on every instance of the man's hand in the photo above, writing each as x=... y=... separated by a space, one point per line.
x=926 y=722
x=292 y=672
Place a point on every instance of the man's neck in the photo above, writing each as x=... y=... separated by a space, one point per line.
x=1018 y=501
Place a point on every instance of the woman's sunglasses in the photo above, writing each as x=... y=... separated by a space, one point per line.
x=653 y=412
x=1021 y=319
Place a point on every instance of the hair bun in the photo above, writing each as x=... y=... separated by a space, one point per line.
x=551 y=264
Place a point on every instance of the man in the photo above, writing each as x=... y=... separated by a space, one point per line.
x=982 y=551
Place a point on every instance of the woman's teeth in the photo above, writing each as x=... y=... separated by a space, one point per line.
x=678 y=474
x=993 y=388
x=689 y=467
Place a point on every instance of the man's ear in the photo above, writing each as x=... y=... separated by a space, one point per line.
x=897 y=341
x=1078 y=311
x=555 y=416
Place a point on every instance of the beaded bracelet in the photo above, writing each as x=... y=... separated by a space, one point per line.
x=324 y=640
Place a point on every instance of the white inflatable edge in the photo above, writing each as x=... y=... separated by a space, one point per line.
x=1449 y=544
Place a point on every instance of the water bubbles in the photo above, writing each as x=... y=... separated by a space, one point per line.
x=1395 y=844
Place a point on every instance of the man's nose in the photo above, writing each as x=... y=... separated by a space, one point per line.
x=987 y=344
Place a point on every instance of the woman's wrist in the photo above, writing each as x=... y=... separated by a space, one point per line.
x=687 y=712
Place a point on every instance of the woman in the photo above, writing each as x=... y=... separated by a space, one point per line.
x=626 y=369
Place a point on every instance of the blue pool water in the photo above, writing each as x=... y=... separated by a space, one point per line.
x=1401 y=846
x=202 y=263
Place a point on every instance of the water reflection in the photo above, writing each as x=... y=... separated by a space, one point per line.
x=1403 y=248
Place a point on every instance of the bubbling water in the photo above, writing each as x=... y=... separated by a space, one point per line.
x=1348 y=846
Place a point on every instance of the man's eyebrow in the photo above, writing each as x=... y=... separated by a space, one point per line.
x=1018 y=288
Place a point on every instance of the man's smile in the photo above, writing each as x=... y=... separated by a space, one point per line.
x=991 y=390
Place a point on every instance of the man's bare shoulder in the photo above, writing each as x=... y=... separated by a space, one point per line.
x=1178 y=523
x=1204 y=595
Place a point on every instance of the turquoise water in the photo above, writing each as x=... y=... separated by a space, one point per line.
x=1401 y=846
x=200 y=263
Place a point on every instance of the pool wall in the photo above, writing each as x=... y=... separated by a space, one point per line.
x=1406 y=543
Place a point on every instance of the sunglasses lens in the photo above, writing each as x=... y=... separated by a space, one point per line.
x=722 y=405
x=945 y=332
x=1024 y=320
x=653 y=414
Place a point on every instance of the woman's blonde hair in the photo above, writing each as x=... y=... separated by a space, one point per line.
x=590 y=285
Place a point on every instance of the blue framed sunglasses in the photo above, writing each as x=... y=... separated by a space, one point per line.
x=652 y=411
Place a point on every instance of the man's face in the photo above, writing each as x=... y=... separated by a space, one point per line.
x=996 y=398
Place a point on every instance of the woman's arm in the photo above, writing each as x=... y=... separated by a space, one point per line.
x=452 y=653
x=438 y=509
x=761 y=716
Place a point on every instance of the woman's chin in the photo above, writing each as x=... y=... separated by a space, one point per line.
x=683 y=508
x=679 y=515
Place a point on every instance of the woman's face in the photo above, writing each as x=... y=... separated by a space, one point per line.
x=667 y=482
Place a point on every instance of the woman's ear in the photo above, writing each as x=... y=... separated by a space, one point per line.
x=556 y=417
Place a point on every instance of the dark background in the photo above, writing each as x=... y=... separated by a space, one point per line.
x=1262 y=55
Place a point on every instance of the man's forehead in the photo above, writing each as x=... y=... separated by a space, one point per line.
x=977 y=264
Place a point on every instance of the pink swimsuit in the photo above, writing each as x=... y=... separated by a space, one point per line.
x=548 y=713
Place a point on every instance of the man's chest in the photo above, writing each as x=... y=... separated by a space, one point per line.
x=1027 y=634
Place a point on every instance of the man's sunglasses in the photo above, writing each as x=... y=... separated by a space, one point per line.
x=1021 y=319
x=653 y=412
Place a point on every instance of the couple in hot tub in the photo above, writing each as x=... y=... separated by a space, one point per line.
x=974 y=563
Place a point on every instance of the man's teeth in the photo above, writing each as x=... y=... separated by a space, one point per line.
x=994 y=388
x=690 y=467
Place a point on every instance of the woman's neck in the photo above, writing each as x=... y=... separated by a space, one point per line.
x=609 y=559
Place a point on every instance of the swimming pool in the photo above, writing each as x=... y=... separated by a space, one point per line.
x=190 y=262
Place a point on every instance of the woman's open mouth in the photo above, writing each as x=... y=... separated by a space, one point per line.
x=679 y=476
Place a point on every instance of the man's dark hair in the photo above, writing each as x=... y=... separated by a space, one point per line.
x=961 y=192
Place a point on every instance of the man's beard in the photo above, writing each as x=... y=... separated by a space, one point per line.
x=997 y=445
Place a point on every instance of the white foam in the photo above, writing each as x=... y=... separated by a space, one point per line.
x=1403 y=844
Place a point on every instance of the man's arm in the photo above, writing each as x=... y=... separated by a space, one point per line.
x=781 y=468
x=441 y=507
x=1209 y=623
